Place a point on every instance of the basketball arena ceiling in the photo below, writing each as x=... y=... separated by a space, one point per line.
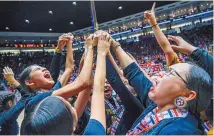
x=64 y=16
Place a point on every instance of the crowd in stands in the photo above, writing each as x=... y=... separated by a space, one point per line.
x=145 y=50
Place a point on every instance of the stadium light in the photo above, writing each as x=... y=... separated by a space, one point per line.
x=27 y=21
x=74 y=3
x=50 y=12
x=7 y=28
x=50 y=29
x=71 y=23
x=120 y=7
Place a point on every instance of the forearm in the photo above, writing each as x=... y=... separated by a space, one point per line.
x=123 y=57
x=55 y=66
x=120 y=88
x=114 y=64
x=69 y=57
x=82 y=101
x=85 y=73
x=71 y=89
x=162 y=40
x=68 y=65
x=98 y=104
x=203 y=59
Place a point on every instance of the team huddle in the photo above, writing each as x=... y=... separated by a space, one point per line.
x=116 y=100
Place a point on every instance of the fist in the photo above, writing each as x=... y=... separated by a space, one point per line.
x=90 y=41
x=103 y=44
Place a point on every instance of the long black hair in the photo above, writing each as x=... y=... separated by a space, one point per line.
x=25 y=76
x=49 y=117
x=199 y=81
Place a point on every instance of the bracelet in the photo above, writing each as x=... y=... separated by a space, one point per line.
x=117 y=45
x=155 y=25
x=58 y=50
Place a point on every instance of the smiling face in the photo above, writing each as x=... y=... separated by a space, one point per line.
x=108 y=90
x=40 y=78
x=170 y=85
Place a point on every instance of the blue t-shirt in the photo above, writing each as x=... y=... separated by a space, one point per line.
x=94 y=127
x=40 y=96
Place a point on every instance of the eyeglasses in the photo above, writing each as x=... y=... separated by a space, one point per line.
x=171 y=71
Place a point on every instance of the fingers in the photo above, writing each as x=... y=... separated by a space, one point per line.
x=172 y=38
x=4 y=71
x=90 y=36
x=153 y=7
x=174 y=47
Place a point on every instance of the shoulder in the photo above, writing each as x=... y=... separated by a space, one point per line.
x=94 y=127
x=37 y=98
x=182 y=126
x=57 y=85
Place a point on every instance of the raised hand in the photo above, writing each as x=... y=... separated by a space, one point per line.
x=101 y=32
x=182 y=46
x=104 y=42
x=9 y=76
x=64 y=39
x=150 y=16
x=90 y=41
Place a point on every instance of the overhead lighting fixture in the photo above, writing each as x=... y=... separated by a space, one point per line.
x=71 y=23
x=50 y=29
x=74 y=3
x=7 y=28
x=5 y=40
x=120 y=7
x=24 y=40
x=32 y=40
x=27 y=21
x=15 y=40
x=50 y=12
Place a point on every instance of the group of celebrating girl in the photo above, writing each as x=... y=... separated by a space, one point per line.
x=117 y=102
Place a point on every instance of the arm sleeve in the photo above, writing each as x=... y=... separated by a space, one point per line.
x=13 y=113
x=139 y=82
x=203 y=59
x=130 y=102
x=94 y=127
x=55 y=66
x=21 y=90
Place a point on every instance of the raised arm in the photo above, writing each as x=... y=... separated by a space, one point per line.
x=137 y=79
x=83 y=80
x=69 y=65
x=98 y=104
x=171 y=56
x=201 y=57
x=130 y=102
x=56 y=60
x=115 y=64
x=83 y=96
x=9 y=76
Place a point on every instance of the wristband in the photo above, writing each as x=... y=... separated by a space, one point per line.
x=154 y=25
x=116 y=45
x=58 y=50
